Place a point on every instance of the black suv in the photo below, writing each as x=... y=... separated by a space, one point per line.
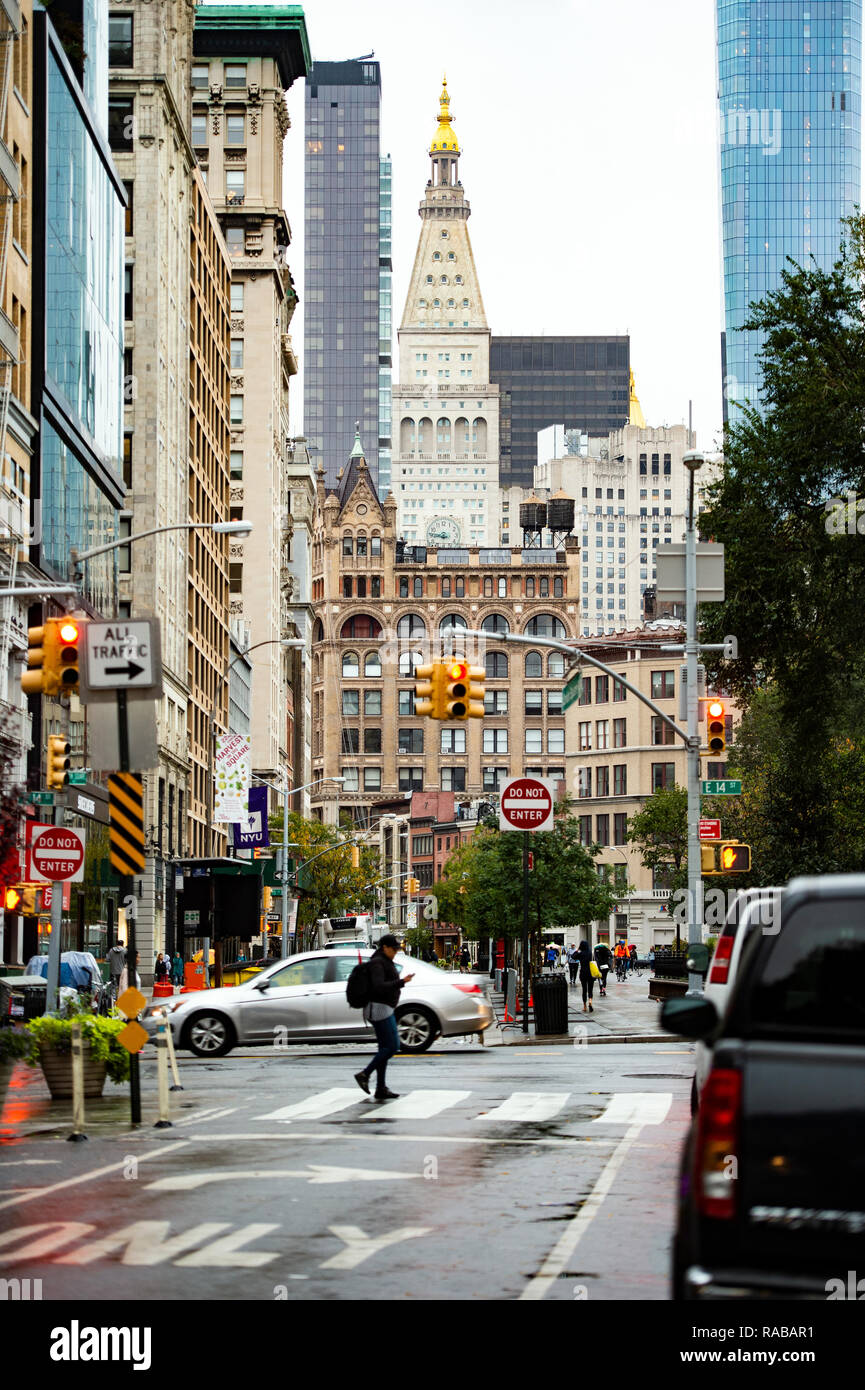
x=772 y=1190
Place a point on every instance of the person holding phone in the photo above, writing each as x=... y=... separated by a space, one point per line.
x=384 y=991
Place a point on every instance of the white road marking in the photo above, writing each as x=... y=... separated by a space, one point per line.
x=637 y=1108
x=94 y=1173
x=27 y=1162
x=225 y=1253
x=315 y=1173
x=208 y=1115
x=562 y=1251
x=417 y=1105
x=61 y=1233
x=323 y=1137
x=316 y=1107
x=145 y=1243
x=528 y=1105
x=359 y=1246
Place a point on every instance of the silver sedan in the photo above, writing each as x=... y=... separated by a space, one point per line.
x=302 y=999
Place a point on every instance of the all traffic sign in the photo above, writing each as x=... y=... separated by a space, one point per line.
x=526 y=804
x=122 y=655
x=57 y=854
x=710 y=830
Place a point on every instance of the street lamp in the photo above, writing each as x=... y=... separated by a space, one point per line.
x=283 y=873
x=219 y=528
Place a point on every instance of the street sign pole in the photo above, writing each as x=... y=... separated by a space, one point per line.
x=127 y=897
x=525 y=931
x=53 y=981
x=284 y=868
x=693 y=462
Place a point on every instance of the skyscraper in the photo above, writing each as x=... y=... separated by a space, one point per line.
x=344 y=186
x=789 y=88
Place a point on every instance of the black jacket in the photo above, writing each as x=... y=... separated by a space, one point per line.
x=585 y=956
x=384 y=980
x=602 y=954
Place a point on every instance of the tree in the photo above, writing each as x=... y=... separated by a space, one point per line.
x=564 y=885
x=795 y=571
x=328 y=887
x=660 y=831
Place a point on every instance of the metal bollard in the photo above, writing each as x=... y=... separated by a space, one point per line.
x=172 y=1057
x=77 y=1086
x=162 y=1075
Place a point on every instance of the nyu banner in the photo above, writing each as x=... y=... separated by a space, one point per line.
x=257 y=835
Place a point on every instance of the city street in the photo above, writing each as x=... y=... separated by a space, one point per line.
x=501 y=1173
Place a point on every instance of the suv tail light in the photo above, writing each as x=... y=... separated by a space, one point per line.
x=719 y=973
x=716 y=1154
x=467 y=988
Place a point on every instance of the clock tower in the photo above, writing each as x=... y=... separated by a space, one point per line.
x=445 y=409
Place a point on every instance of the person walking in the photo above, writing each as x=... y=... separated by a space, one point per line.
x=573 y=964
x=465 y=960
x=587 y=979
x=160 y=969
x=177 y=969
x=632 y=956
x=116 y=966
x=551 y=957
x=384 y=991
x=603 y=958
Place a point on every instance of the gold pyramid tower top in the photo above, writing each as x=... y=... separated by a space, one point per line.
x=636 y=416
x=444 y=139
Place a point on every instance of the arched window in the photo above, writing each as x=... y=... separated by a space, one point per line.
x=429 y=279
x=458 y=279
x=425 y=435
x=408 y=661
x=545 y=625
x=318 y=631
x=479 y=435
x=465 y=304
x=360 y=544
x=544 y=586
x=488 y=586
x=444 y=280
x=452 y=620
x=372 y=664
x=437 y=255
x=496 y=664
x=461 y=434
x=534 y=665
x=406 y=436
x=556 y=664
x=503 y=586
x=452 y=304
x=418 y=586
x=446 y=587
x=347 y=543
x=495 y=623
x=350 y=665
x=443 y=432
x=451 y=256
x=410 y=626
x=530 y=586
x=437 y=304
x=361 y=625
x=558 y=587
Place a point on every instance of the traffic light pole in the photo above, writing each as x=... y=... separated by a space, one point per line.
x=525 y=931
x=692 y=649
x=127 y=896
x=52 y=985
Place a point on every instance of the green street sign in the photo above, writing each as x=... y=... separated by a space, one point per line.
x=41 y=798
x=572 y=691
x=78 y=779
x=721 y=788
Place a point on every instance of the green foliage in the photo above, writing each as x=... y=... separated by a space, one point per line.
x=419 y=939
x=795 y=580
x=564 y=886
x=660 y=830
x=329 y=887
x=54 y=1031
x=14 y=1045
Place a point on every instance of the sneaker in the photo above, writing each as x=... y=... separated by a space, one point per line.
x=387 y=1095
x=362 y=1080
x=591 y=1010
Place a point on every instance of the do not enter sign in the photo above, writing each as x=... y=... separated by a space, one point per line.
x=57 y=854
x=526 y=804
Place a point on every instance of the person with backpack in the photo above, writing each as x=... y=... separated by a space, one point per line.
x=603 y=958
x=379 y=980
x=573 y=964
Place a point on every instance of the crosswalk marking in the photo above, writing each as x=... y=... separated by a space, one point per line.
x=528 y=1105
x=316 y=1107
x=417 y=1105
x=637 y=1108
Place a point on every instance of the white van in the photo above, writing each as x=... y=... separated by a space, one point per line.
x=752 y=908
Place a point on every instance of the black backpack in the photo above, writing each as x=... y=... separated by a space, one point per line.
x=359 y=986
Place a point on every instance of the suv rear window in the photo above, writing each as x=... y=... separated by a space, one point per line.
x=811 y=979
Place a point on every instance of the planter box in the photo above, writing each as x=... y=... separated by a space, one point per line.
x=57 y=1069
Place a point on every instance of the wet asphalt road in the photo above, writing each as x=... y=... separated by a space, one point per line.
x=502 y=1173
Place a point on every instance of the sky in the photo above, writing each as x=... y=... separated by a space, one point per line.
x=590 y=159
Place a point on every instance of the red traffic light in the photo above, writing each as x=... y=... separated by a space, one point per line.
x=69 y=631
x=458 y=670
x=716 y=709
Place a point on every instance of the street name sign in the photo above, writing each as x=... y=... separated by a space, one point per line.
x=122 y=656
x=527 y=804
x=572 y=691
x=41 y=798
x=710 y=830
x=721 y=788
x=57 y=853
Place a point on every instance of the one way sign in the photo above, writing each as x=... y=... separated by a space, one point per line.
x=123 y=655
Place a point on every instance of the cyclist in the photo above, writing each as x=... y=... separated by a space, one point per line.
x=621 y=954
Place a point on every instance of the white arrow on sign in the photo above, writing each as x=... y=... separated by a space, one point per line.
x=315 y=1173
x=122 y=655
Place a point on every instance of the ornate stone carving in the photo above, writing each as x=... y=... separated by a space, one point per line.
x=237 y=383
x=283 y=121
x=237 y=325
x=253 y=122
x=215 y=121
x=253 y=94
x=216 y=91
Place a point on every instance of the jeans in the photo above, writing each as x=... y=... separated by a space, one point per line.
x=387 y=1038
x=573 y=967
x=588 y=984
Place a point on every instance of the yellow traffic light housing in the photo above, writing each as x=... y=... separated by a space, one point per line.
x=32 y=678
x=477 y=691
x=355 y=856
x=67 y=636
x=429 y=690
x=708 y=860
x=734 y=858
x=58 y=762
x=457 y=688
x=12 y=899
x=412 y=887
x=716 y=727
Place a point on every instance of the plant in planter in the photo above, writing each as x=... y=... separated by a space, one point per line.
x=50 y=1046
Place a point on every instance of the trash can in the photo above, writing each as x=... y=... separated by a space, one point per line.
x=550 y=998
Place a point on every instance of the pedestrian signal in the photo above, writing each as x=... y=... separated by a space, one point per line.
x=735 y=859
x=708 y=861
x=12 y=899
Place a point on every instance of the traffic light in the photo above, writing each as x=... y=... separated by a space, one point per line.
x=355 y=856
x=708 y=860
x=477 y=691
x=12 y=899
x=412 y=887
x=734 y=858
x=63 y=637
x=457 y=689
x=58 y=762
x=716 y=733
x=32 y=678
x=429 y=690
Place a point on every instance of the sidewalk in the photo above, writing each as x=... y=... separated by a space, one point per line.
x=626 y=1015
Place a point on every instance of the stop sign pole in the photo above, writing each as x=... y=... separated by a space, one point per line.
x=526 y=805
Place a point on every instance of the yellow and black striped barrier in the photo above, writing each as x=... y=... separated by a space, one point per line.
x=126 y=822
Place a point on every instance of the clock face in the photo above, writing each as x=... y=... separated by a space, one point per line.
x=443 y=530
